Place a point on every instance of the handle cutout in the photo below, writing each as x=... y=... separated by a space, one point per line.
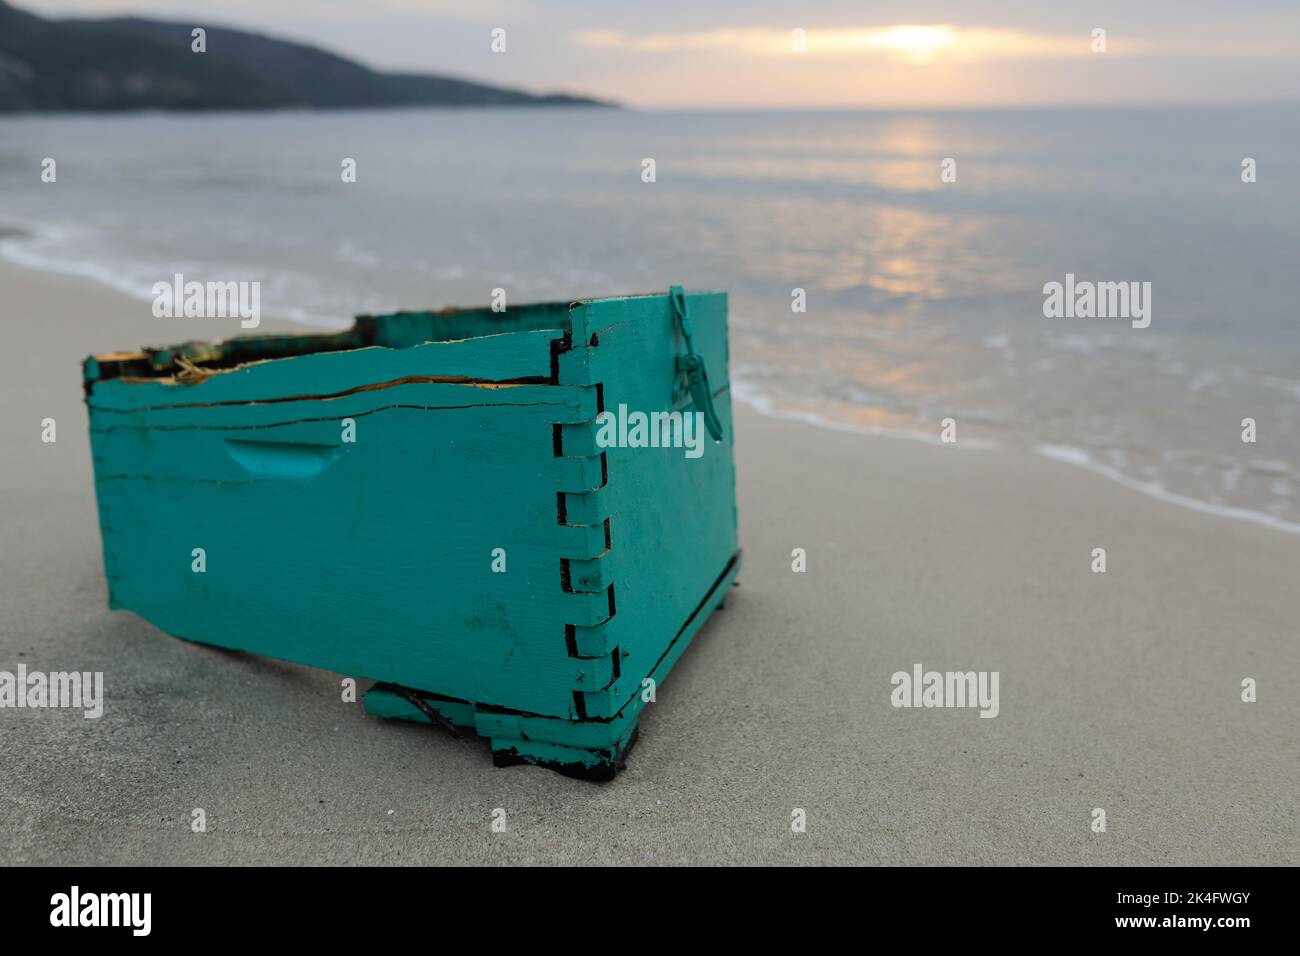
x=298 y=461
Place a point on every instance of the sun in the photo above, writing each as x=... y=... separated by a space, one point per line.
x=919 y=44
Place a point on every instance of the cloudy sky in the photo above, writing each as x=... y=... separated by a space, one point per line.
x=740 y=53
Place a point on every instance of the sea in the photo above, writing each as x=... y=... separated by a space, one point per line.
x=886 y=270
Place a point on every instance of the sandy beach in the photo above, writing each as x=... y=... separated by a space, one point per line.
x=1119 y=691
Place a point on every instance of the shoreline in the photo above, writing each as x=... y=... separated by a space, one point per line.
x=12 y=238
x=13 y=254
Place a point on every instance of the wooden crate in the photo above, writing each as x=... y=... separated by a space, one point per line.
x=377 y=557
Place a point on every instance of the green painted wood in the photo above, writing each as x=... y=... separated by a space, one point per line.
x=493 y=358
x=374 y=557
x=376 y=563
x=404 y=329
x=666 y=512
x=397 y=330
x=593 y=745
x=569 y=403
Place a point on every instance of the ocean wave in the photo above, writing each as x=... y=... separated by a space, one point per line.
x=765 y=405
x=1063 y=454
x=1081 y=459
x=46 y=248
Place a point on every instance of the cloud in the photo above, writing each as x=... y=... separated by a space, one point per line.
x=916 y=43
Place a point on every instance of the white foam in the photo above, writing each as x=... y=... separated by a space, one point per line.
x=1081 y=459
x=765 y=406
x=31 y=250
x=1061 y=453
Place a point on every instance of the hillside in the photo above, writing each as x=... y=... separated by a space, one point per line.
x=132 y=63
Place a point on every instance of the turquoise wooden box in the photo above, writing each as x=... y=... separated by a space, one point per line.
x=432 y=500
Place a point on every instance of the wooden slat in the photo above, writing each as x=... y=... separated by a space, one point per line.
x=494 y=358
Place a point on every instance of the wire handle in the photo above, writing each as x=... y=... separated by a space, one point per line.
x=692 y=365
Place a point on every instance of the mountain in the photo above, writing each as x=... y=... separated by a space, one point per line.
x=128 y=63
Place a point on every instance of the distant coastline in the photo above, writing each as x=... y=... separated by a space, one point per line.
x=126 y=64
